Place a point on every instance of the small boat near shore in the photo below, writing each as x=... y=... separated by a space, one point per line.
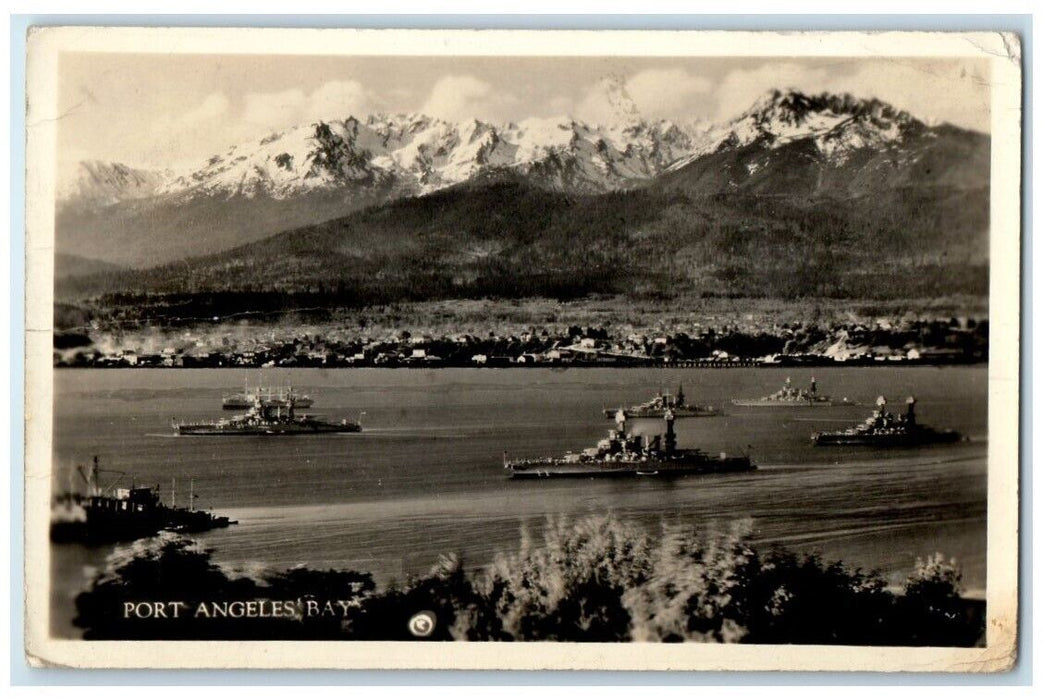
x=110 y=514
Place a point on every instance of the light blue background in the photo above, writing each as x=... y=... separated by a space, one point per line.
x=21 y=674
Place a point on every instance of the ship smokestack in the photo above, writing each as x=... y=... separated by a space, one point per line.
x=881 y=402
x=910 y=413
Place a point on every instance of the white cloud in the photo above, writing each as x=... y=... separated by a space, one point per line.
x=187 y=124
x=936 y=91
x=655 y=93
x=215 y=124
x=741 y=88
x=667 y=93
x=174 y=136
x=272 y=110
x=339 y=99
x=931 y=91
x=214 y=106
x=460 y=97
x=336 y=99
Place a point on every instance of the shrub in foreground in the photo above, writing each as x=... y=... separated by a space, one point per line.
x=597 y=579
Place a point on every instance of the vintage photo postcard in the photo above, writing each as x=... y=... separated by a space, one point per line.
x=595 y=350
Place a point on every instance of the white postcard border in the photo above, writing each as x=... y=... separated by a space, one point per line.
x=1003 y=51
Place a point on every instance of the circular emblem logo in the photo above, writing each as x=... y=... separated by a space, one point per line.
x=422 y=624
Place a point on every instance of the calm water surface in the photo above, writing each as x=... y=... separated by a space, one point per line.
x=425 y=476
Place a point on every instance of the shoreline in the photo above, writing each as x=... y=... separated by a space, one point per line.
x=595 y=332
x=593 y=364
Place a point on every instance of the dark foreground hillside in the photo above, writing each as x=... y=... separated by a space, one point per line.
x=595 y=580
x=510 y=240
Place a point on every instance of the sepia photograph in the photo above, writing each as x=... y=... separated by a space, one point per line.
x=664 y=350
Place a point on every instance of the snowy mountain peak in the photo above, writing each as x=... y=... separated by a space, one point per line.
x=838 y=125
x=99 y=183
x=415 y=153
x=792 y=107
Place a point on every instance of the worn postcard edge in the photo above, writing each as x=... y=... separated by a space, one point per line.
x=1004 y=54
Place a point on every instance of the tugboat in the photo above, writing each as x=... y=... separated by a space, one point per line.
x=278 y=397
x=267 y=419
x=788 y=395
x=623 y=454
x=109 y=514
x=883 y=429
x=658 y=406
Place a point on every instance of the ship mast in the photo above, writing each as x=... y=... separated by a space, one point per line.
x=95 y=489
x=670 y=439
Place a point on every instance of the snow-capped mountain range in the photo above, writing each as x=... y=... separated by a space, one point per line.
x=418 y=154
x=318 y=171
x=414 y=153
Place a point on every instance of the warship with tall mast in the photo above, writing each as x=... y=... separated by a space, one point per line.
x=110 y=514
x=623 y=454
x=265 y=418
x=789 y=395
x=660 y=404
x=884 y=429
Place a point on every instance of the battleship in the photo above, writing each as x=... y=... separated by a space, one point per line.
x=622 y=454
x=272 y=397
x=110 y=514
x=788 y=395
x=883 y=429
x=267 y=419
x=658 y=406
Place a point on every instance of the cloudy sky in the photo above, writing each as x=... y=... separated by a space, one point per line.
x=176 y=110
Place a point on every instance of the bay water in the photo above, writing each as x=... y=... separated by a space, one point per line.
x=425 y=477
